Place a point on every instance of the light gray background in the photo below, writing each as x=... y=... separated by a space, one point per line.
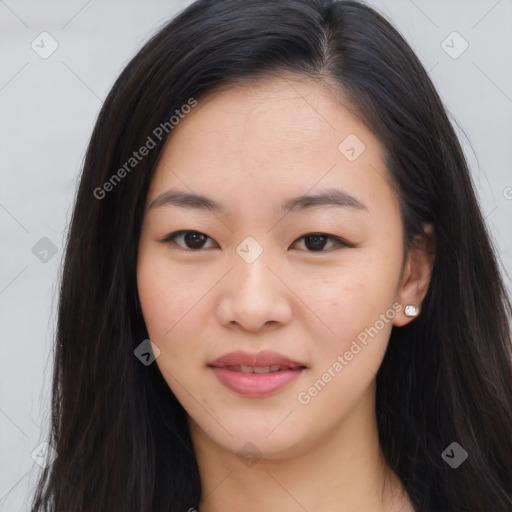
x=48 y=109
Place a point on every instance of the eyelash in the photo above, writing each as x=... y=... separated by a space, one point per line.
x=172 y=236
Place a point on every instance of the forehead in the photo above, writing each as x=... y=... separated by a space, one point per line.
x=277 y=110
x=274 y=135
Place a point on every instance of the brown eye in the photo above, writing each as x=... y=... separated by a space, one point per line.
x=316 y=242
x=191 y=239
x=313 y=242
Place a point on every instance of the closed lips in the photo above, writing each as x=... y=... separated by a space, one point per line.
x=265 y=361
x=261 y=369
x=256 y=374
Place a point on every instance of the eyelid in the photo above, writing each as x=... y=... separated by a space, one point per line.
x=171 y=236
x=338 y=241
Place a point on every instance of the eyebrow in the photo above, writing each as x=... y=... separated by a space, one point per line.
x=332 y=197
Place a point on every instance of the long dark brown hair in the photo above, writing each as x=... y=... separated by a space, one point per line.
x=121 y=435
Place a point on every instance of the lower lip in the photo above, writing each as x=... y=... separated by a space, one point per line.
x=255 y=384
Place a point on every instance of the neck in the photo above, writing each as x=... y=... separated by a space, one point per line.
x=344 y=470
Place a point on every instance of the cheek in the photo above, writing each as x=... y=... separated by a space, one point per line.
x=175 y=311
x=360 y=312
x=155 y=301
x=162 y=312
x=165 y=301
x=354 y=304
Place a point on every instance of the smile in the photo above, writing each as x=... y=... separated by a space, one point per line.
x=256 y=381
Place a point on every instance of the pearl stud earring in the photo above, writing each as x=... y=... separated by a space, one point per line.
x=411 y=310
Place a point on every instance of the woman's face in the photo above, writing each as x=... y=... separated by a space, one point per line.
x=252 y=276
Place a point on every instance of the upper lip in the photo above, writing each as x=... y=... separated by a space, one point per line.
x=264 y=358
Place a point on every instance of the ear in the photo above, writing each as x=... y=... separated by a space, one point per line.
x=416 y=274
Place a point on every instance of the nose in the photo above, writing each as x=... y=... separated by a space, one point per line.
x=254 y=297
